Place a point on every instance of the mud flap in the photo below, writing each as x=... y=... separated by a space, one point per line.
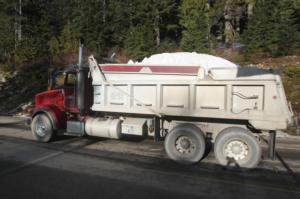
x=272 y=143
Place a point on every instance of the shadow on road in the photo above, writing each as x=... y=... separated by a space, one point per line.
x=154 y=168
x=288 y=168
x=75 y=171
x=44 y=182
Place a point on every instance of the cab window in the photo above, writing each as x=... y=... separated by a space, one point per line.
x=70 y=79
x=59 y=80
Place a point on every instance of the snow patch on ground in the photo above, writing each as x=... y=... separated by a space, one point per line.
x=187 y=59
x=282 y=134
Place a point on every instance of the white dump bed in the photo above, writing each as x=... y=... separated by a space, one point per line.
x=247 y=94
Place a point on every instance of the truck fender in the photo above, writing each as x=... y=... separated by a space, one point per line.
x=57 y=118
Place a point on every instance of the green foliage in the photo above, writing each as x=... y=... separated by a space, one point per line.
x=51 y=28
x=28 y=49
x=55 y=46
x=23 y=86
x=139 y=42
x=167 y=45
x=65 y=43
x=149 y=23
x=194 y=19
x=7 y=38
x=291 y=80
x=272 y=28
x=292 y=72
x=163 y=18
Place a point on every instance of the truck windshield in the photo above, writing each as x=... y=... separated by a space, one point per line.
x=62 y=79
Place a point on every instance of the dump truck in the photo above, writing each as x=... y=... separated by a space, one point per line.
x=184 y=106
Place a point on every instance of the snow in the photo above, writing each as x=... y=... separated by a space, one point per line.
x=187 y=59
x=282 y=134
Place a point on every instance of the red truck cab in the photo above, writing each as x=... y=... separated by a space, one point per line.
x=56 y=105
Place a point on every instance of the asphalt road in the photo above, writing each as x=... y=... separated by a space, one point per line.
x=132 y=168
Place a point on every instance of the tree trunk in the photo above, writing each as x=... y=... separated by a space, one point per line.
x=250 y=7
x=20 y=21
x=156 y=27
x=103 y=11
x=157 y=31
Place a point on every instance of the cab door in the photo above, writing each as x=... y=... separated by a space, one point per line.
x=69 y=93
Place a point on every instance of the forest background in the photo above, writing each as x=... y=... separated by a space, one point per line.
x=36 y=35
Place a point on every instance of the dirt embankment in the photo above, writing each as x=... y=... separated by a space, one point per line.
x=289 y=67
x=17 y=89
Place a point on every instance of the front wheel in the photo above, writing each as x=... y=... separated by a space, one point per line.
x=237 y=147
x=185 y=144
x=41 y=128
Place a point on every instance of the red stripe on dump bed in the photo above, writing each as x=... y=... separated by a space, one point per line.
x=174 y=69
x=118 y=68
x=154 y=69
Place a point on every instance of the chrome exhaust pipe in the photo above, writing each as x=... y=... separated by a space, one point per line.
x=80 y=81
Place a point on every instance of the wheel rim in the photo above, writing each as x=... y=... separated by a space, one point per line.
x=185 y=145
x=41 y=128
x=237 y=150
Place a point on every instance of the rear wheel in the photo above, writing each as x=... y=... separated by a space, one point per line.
x=237 y=147
x=185 y=144
x=41 y=128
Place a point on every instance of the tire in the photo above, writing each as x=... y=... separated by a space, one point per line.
x=41 y=128
x=237 y=147
x=185 y=144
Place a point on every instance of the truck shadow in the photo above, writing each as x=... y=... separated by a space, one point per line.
x=284 y=178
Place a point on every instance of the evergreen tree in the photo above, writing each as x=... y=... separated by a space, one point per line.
x=66 y=42
x=149 y=23
x=36 y=31
x=48 y=28
x=271 y=28
x=118 y=21
x=7 y=32
x=140 y=42
x=297 y=16
x=194 y=19
x=160 y=11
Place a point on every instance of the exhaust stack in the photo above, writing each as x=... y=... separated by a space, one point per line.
x=80 y=81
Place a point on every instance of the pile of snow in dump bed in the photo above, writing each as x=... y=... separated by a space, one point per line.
x=187 y=59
